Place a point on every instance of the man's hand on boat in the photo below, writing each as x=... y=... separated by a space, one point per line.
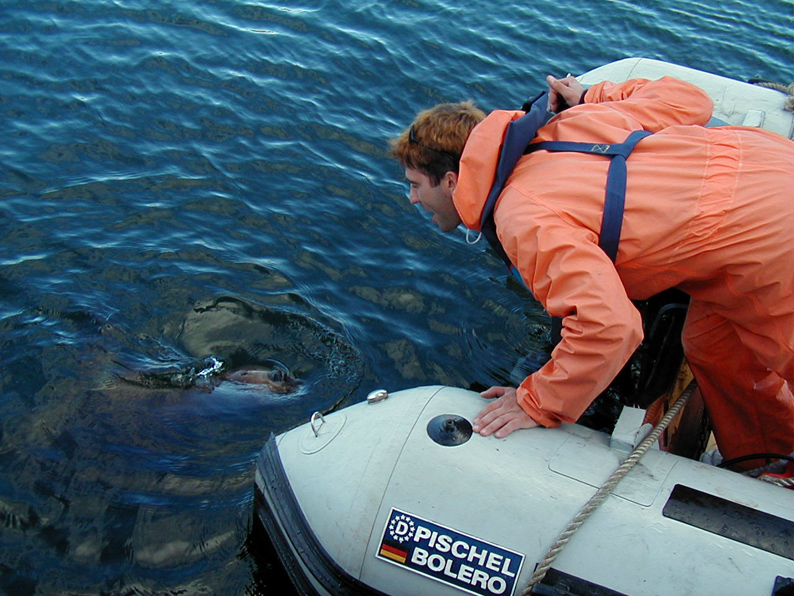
x=503 y=415
x=564 y=93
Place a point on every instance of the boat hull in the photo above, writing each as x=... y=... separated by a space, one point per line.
x=336 y=493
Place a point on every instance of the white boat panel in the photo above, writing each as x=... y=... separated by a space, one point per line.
x=732 y=99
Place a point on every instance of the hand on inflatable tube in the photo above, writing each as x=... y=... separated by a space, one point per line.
x=564 y=92
x=503 y=416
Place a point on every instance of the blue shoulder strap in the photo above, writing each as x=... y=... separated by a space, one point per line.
x=517 y=137
x=614 y=201
x=516 y=143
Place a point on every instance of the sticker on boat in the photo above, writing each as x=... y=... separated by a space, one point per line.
x=449 y=556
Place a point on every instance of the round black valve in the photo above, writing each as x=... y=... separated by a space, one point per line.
x=449 y=430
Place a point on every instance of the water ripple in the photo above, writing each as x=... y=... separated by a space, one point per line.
x=159 y=156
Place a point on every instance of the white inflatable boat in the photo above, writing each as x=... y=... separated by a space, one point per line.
x=397 y=496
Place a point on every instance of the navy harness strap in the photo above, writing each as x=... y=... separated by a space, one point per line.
x=614 y=202
x=516 y=143
x=517 y=137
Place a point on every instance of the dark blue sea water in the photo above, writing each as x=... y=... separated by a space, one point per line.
x=188 y=181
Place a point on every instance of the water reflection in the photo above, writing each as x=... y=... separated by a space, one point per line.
x=190 y=183
x=154 y=480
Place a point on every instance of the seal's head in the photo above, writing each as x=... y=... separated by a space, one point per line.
x=271 y=373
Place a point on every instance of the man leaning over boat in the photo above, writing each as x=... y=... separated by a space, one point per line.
x=707 y=210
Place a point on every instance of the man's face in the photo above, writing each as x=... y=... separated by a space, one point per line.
x=435 y=199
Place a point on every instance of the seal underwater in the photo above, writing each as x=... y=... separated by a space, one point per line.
x=271 y=373
x=265 y=374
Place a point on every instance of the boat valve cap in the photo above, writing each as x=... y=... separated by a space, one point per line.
x=449 y=430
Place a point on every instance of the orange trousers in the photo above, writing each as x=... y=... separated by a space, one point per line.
x=751 y=406
x=739 y=333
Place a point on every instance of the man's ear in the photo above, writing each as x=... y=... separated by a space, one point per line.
x=451 y=180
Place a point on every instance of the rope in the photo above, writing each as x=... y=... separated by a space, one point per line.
x=787 y=89
x=783 y=482
x=602 y=493
x=769 y=473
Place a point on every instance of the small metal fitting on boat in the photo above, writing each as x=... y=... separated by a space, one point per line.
x=449 y=430
x=377 y=395
x=317 y=417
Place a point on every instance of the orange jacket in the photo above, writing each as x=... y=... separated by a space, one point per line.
x=685 y=184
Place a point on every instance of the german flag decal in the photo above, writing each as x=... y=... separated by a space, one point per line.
x=393 y=553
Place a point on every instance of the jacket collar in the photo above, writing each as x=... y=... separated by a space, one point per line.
x=478 y=166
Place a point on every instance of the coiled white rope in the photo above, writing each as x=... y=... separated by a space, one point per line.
x=787 y=89
x=783 y=482
x=605 y=490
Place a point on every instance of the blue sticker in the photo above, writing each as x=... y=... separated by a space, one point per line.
x=449 y=556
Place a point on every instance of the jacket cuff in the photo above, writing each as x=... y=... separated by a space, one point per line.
x=539 y=416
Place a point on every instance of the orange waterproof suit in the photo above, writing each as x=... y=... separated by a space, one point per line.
x=708 y=210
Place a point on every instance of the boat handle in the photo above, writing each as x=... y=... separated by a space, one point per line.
x=315 y=418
